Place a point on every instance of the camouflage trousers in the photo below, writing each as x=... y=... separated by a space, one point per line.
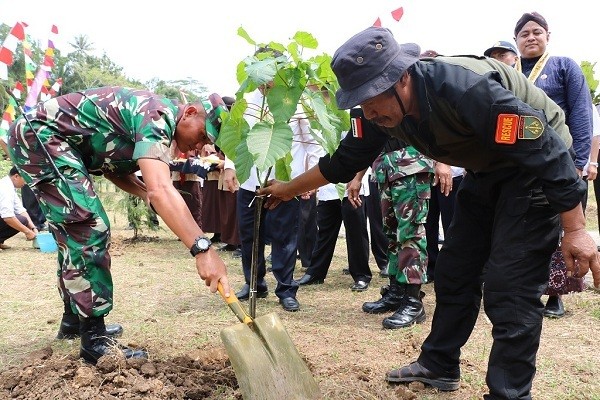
x=405 y=203
x=75 y=217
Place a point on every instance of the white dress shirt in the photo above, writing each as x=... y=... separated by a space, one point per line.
x=10 y=202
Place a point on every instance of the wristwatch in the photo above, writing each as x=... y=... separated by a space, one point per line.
x=201 y=245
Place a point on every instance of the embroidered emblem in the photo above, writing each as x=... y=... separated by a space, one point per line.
x=507 y=126
x=357 y=128
x=530 y=128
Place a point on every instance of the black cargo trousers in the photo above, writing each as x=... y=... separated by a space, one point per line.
x=500 y=242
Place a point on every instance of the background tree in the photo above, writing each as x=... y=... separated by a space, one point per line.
x=193 y=89
x=82 y=45
x=588 y=71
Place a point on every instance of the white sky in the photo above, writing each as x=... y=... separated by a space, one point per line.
x=180 y=39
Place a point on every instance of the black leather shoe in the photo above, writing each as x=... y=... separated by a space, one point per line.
x=69 y=328
x=554 y=307
x=416 y=372
x=95 y=343
x=359 y=286
x=289 y=304
x=391 y=298
x=384 y=273
x=410 y=312
x=309 y=280
x=244 y=293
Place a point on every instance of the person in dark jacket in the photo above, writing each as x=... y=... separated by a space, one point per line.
x=482 y=115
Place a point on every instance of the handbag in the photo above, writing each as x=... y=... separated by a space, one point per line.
x=559 y=283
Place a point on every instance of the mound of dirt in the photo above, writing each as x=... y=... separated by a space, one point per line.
x=206 y=374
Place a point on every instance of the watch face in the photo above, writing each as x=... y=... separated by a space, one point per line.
x=203 y=243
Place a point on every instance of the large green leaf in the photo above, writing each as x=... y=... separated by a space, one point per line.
x=269 y=142
x=242 y=33
x=283 y=168
x=233 y=129
x=243 y=162
x=323 y=70
x=241 y=74
x=306 y=40
x=325 y=118
x=262 y=71
x=294 y=52
x=284 y=96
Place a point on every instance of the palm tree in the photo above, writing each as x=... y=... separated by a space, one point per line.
x=82 y=45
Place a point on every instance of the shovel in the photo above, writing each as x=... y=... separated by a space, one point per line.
x=266 y=363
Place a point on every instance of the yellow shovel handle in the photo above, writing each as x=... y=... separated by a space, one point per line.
x=235 y=306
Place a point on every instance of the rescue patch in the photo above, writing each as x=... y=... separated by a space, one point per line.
x=357 y=127
x=531 y=128
x=507 y=126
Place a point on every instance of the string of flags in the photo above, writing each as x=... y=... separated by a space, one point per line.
x=11 y=109
x=50 y=91
x=36 y=86
x=43 y=72
x=396 y=15
x=29 y=64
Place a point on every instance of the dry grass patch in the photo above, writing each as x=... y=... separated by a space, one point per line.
x=165 y=308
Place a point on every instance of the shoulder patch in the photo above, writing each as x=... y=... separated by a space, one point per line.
x=507 y=126
x=531 y=128
x=357 y=128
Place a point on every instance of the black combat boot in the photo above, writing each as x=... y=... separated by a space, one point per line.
x=391 y=297
x=410 y=311
x=69 y=325
x=95 y=343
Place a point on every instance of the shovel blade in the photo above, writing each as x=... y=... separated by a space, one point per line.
x=266 y=362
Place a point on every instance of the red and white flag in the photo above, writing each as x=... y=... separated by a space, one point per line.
x=18 y=90
x=9 y=46
x=55 y=89
x=395 y=14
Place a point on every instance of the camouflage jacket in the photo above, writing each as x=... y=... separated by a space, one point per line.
x=397 y=164
x=109 y=127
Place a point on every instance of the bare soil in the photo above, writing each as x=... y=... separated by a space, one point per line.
x=167 y=310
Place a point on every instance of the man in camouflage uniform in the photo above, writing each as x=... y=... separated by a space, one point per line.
x=404 y=177
x=110 y=131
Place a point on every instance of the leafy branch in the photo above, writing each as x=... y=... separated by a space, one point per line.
x=294 y=88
